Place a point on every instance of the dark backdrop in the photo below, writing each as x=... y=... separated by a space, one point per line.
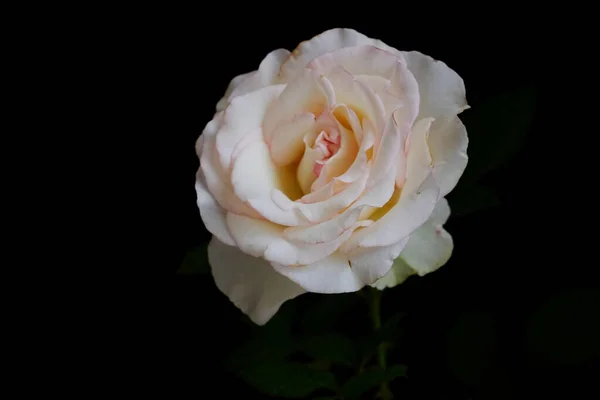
x=505 y=318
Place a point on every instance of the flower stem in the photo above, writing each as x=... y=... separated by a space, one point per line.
x=375 y=300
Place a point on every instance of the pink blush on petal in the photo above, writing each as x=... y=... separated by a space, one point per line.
x=329 y=143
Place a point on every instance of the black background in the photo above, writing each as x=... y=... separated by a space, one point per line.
x=507 y=317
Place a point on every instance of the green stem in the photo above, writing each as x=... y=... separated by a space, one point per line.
x=375 y=298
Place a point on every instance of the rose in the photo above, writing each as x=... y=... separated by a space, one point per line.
x=325 y=165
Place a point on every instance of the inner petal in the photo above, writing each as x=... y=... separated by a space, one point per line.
x=330 y=149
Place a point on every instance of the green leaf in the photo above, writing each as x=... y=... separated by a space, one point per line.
x=332 y=347
x=370 y=379
x=195 y=262
x=286 y=379
x=466 y=200
x=497 y=129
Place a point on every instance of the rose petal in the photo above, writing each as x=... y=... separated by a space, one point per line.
x=265 y=239
x=325 y=231
x=388 y=152
x=399 y=273
x=280 y=209
x=357 y=96
x=212 y=214
x=358 y=60
x=287 y=143
x=243 y=115
x=304 y=173
x=384 y=72
x=326 y=42
x=403 y=218
x=339 y=163
x=448 y=142
x=309 y=93
x=217 y=182
x=442 y=90
x=265 y=76
x=250 y=283
x=330 y=275
x=254 y=174
x=370 y=264
x=349 y=119
x=340 y=274
x=430 y=246
x=419 y=164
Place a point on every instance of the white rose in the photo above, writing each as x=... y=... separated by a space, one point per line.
x=325 y=165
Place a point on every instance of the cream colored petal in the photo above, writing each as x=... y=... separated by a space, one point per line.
x=383 y=71
x=309 y=93
x=339 y=163
x=304 y=173
x=419 y=164
x=441 y=89
x=330 y=275
x=357 y=96
x=356 y=170
x=409 y=212
x=271 y=190
x=326 y=42
x=265 y=76
x=399 y=273
x=349 y=119
x=217 y=181
x=266 y=239
x=211 y=213
x=430 y=246
x=388 y=152
x=427 y=249
x=243 y=115
x=287 y=145
x=235 y=82
x=249 y=282
x=414 y=204
x=448 y=141
x=340 y=274
x=325 y=231
x=372 y=263
x=255 y=175
x=381 y=86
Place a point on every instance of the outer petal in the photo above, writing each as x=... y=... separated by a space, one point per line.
x=399 y=272
x=441 y=89
x=409 y=212
x=244 y=115
x=326 y=42
x=340 y=273
x=447 y=142
x=212 y=214
x=249 y=282
x=217 y=182
x=265 y=239
x=430 y=246
x=251 y=81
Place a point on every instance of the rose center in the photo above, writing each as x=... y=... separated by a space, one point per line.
x=328 y=144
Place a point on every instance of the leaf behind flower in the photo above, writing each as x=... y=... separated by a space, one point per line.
x=286 y=379
x=372 y=378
